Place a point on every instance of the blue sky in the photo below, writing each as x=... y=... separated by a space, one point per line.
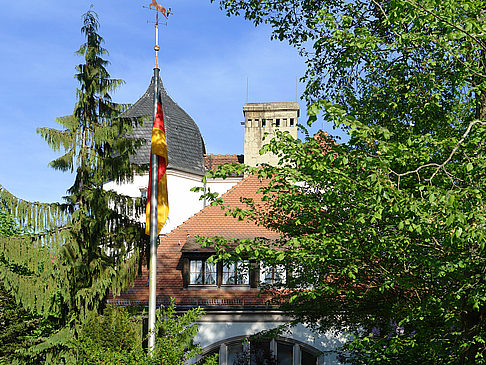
x=205 y=59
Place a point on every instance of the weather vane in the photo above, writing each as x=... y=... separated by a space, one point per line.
x=159 y=9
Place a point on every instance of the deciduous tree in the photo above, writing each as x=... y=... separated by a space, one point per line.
x=385 y=234
x=115 y=338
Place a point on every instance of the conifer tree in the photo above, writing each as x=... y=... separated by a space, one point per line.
x=80 y=250
x=16 y=324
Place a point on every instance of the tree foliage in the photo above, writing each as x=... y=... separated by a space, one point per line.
x=385 y=234
x=115 y=338
x=76 y=252
x=17 y=326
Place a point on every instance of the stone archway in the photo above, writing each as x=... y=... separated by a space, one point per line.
x=281 y=350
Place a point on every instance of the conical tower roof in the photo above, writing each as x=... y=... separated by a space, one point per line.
x=185 y=145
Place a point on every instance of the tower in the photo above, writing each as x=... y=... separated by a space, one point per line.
x=267 y=118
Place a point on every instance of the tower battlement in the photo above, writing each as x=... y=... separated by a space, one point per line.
x=262 y=118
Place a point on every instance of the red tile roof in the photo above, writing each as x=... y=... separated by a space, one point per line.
x=209 y=222
x=213 y=220
x=213 y=161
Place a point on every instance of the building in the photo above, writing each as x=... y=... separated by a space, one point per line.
x=187 y=159
x=262 y=120
x=229 y=292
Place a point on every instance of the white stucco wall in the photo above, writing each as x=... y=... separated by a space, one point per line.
x=183 y=203
x=217 y=328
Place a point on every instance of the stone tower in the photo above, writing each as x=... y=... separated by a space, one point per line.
x=261 y=118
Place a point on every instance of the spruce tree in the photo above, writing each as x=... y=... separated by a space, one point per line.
x=80 y=250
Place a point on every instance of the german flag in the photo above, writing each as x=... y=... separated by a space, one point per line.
x=159 y=148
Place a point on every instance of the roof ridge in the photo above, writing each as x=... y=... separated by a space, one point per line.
x=221 y=154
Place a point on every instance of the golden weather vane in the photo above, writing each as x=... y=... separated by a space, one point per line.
x=160 y=8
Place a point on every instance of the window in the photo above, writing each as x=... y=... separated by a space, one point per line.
x=202 y=272
x=264 y=123
x=277 y=122
x=197 y=271
x=285 y=353
x=254 y=352
x=236 y=273
x=281 y=351
x=235 y=351
x=273 y=275
x=291 y=122
x=308 y=358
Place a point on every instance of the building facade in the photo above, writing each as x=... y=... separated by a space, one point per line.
x=229 y=292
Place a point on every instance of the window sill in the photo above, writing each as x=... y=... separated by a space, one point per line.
x=222 y=287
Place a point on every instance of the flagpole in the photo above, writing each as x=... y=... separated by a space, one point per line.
x=153 y=211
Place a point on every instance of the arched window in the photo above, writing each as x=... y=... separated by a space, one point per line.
x=278 y=351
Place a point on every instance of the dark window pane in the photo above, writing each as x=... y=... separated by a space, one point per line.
x=235 y=353
x=308 y=358
x=260 y=353
x=284 y=353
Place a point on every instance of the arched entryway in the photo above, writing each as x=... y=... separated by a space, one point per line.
x=243 y=350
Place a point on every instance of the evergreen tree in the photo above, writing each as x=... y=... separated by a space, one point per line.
x=82 y=249
x=16 y=324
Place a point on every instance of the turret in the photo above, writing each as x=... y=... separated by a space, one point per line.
x=261 y=118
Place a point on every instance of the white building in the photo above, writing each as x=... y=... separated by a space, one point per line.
x=231 y=296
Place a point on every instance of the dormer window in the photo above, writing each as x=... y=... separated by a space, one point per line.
x=202 y=272
x=198 y=272
x=236 y=273
x=272 y=275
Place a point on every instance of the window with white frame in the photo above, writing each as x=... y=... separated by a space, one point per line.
x=272 y=275
x=235 y=273
x=199 y=271
x=202 y=272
